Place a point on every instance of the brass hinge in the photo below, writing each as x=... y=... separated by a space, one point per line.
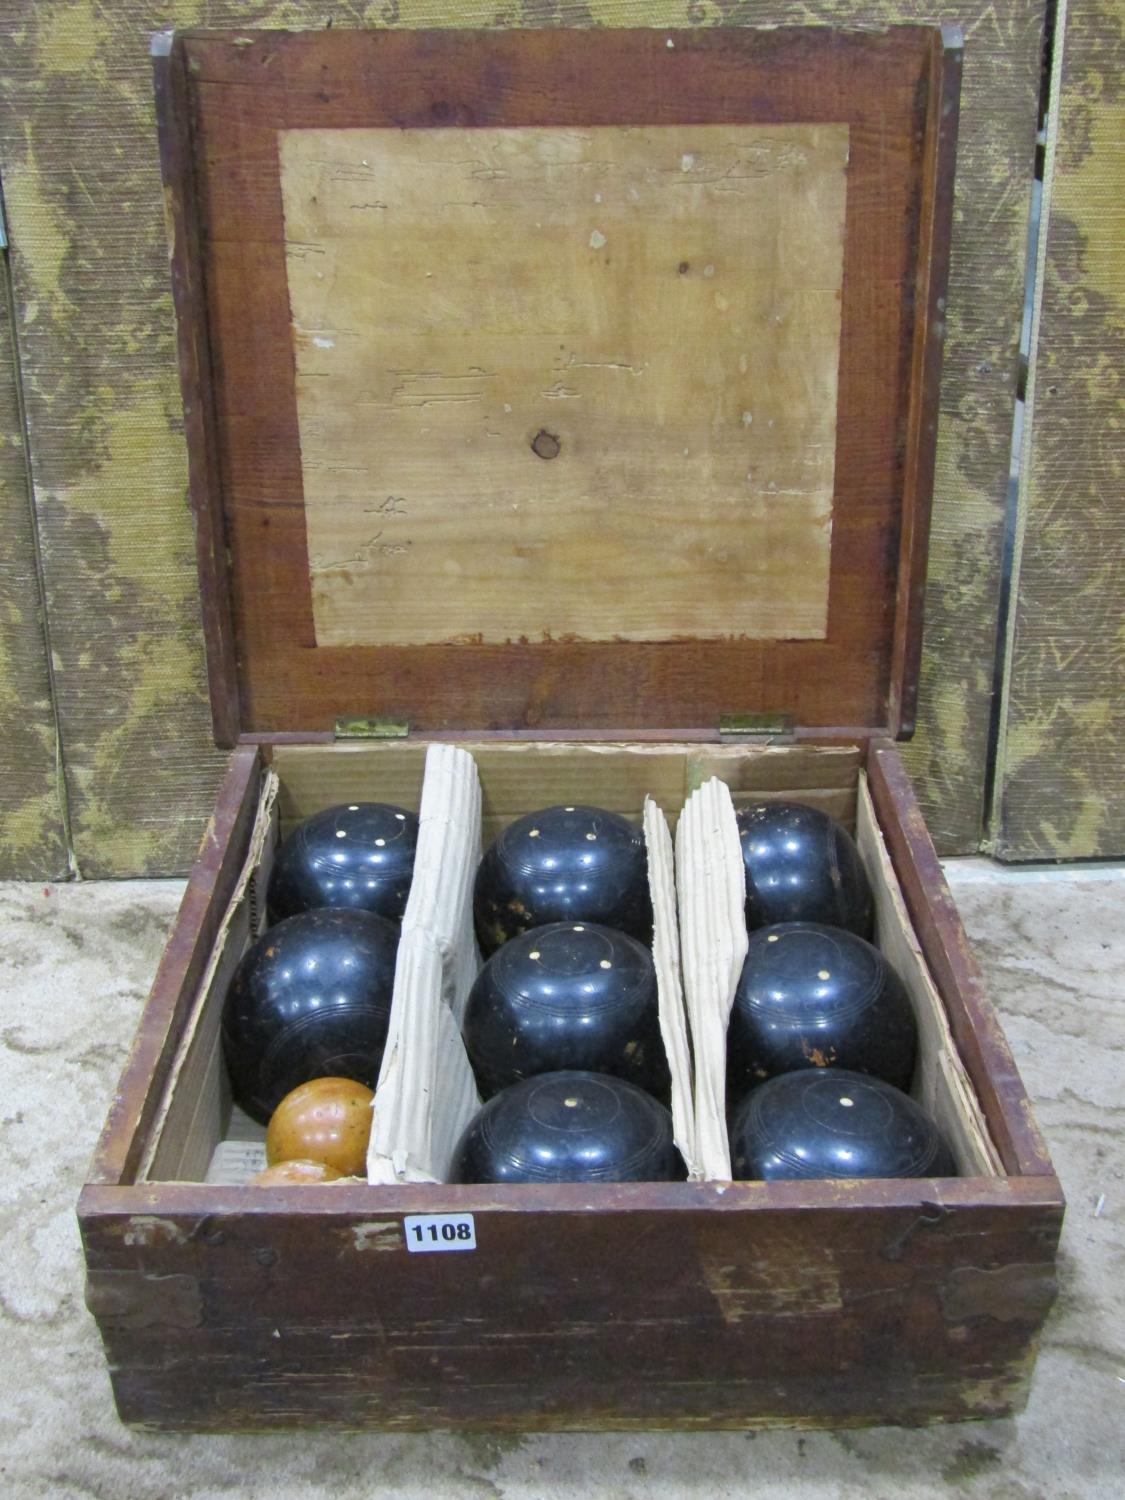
x=756 y=726
x=372 y=727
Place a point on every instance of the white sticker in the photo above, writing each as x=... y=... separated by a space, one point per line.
x=439 y=1232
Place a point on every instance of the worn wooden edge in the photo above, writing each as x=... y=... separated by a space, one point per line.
x=1000 y=1403
x=185 y=956
x=246 y=35
x=193 y=1201
x=833 y=736
x=189 y=298
x=931 y=288
x=539 y=1422
x=937 y=922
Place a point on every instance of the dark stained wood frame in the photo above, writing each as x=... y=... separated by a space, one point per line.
x=748 y=1303
x=267 y=675
x=200 y=430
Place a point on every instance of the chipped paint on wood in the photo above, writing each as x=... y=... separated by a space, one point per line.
x=799 y=1289
x=380 y=1236
x=148 y=1229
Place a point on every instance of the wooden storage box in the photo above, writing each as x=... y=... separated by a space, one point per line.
x=572 y=394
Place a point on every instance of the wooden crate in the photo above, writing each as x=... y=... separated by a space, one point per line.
x=710 y=199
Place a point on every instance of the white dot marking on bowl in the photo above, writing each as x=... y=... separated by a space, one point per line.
x=847 y=1103
x=353 y=807
x=823 y=974
x=591 y=837
x=605 y=964
x=534 y=955
x=379 y=843
x=571 y=1103
x=340 y=833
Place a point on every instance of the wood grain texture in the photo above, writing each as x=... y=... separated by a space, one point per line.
x=99 y=354
x=189 y=297
x=810 y=1304
x=1062 y=749
x=976 y=1029
x=182 y=965
x=518 y=777
x=250 y=94
x=32 y=835
x=941 y=1083
x=574 y=382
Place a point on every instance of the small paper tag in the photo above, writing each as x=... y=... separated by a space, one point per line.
x=235 y=1162
x=426 y=1232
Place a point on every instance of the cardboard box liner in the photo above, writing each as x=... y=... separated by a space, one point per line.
x=426 y=1094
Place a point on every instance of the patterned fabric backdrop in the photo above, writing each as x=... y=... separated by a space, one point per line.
x=1062 y=755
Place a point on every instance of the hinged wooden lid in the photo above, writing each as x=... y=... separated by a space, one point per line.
x=560 y=380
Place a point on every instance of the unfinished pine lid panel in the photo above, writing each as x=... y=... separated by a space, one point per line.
x=560 y=379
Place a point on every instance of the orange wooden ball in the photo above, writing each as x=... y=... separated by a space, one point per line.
x=286 y=1173
x=327 y=1120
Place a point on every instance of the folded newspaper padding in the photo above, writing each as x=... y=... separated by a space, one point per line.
x=711 y=883
x=669 y=988
x=426 y=1094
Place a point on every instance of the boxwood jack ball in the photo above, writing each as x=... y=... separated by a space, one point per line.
x=831 y=1122
x=563 y=864
x=801 y=866
x=569 y=1127
x=310 y=999
x=568 y=995
x=811 y=996
x=360 y=854
x=326 y=1120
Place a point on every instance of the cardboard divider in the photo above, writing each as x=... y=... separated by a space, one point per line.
x=426 y=1094
x=669 y=982
x=711 y=888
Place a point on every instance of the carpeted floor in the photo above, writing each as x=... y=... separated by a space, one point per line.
x=75 y=962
